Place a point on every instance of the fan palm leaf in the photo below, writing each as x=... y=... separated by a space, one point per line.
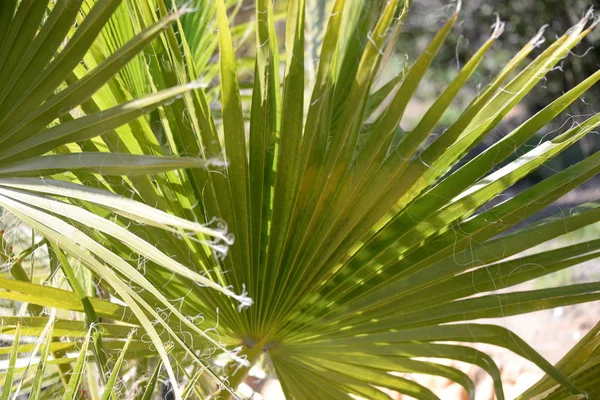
x=365 y=247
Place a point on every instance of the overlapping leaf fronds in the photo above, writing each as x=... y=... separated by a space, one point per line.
x=581 y=365
x=371 y=247
x=364 y=247
x=68 y=116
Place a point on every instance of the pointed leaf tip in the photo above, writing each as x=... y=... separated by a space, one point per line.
x=458 y=6
x=498 y=27
x=539 y=38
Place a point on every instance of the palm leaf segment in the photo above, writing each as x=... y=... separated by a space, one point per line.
x=68 y=112
x=355 y=243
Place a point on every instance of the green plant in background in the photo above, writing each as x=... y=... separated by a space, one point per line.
x=359 y=244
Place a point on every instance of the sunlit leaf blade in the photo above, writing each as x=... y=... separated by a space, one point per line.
x=43 y=346
x=82 y=89
x=152 y=383
x=101 y=163
x=72 y=391
x=114 y=374
x=89 y=126
x=57 y=298
x=10 y=370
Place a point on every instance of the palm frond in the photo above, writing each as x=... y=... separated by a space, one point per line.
x=63 y=111
x=365 y=247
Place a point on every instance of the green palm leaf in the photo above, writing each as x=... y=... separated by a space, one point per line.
x=54 y=109
x=364 y=247
x=356 y=230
